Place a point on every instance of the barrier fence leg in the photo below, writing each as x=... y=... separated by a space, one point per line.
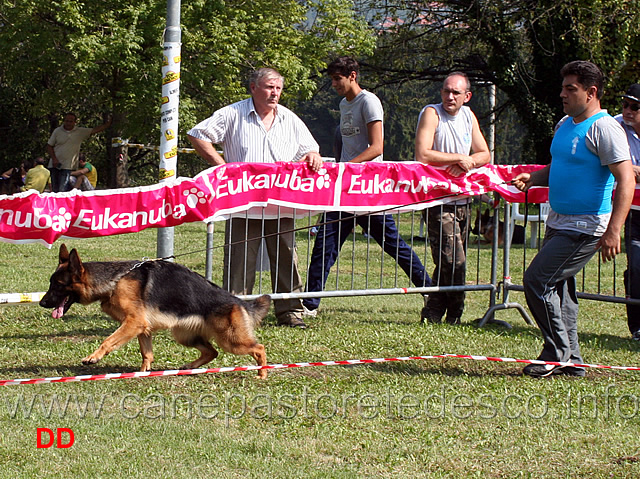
x=506 y=277
x=209 y=256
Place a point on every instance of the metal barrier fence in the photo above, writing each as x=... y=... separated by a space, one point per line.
x=362 y=268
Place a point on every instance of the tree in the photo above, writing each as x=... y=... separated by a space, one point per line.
x=98 y=57
x=519 y=45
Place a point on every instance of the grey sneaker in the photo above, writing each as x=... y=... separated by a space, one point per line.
x=636 y=335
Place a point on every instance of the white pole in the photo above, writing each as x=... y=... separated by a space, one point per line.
x=169 y=112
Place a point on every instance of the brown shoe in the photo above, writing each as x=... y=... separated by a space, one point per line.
x=292 y=322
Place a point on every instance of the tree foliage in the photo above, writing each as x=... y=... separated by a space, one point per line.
x=106 y=56
x=519 y=45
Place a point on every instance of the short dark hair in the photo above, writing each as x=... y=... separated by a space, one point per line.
x=40 y=160
x=588 y=75
x=343 y=66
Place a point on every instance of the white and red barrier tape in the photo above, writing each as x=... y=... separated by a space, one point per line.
x=348 y=362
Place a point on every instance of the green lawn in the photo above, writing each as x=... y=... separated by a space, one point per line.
x=424 y=418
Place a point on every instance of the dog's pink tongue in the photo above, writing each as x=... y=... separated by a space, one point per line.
x=58 y=312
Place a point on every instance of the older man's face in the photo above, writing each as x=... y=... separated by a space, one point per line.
x=266 y=93
x=631 y=113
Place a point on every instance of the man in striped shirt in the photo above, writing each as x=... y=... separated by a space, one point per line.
x=259 y=130
x=629 y=119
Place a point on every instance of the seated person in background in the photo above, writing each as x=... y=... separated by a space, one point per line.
x=86 y=177
x=23 y=170
x=12 y=180
x=38 y=177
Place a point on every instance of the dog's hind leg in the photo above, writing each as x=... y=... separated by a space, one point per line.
x=235 y=335
x=207 y=352
x=255 y=350
x=146 y=350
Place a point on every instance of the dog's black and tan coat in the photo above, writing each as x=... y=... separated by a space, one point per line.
x=145 y=297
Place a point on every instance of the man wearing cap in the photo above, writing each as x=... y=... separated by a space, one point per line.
x=630 y=121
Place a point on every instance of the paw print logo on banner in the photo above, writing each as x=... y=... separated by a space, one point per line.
x=324 y=180
x=62 y=220
x=194 y=197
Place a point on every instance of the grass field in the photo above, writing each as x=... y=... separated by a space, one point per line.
x=430 y=418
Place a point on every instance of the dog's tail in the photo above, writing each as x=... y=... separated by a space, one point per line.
x=258 y=308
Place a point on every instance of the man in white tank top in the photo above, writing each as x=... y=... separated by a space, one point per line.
x=448 y=136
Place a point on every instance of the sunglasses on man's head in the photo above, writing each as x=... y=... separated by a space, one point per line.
x=632 y=106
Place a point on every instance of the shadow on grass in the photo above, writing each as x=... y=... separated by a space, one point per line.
x=75 y=333
x=63 y=370
x=449 y=368
x=603 y=341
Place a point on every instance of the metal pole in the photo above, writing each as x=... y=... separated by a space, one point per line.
x=169 y=112
x=492 y=123
x=208 y=269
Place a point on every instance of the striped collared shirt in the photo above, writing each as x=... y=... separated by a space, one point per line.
x=632 y=138
x=243 y=137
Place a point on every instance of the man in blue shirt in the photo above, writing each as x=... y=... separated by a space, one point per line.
x=588 y=151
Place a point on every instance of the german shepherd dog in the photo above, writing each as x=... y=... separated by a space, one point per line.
x=484 y=228
x=148 y=296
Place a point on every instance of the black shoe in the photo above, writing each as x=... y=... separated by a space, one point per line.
x=539 y=370
x=292 y=322
x=569 y=371
x=429 y=317
x=450 y=320
x=546 y=370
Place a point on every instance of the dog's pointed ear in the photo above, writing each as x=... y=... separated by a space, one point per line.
x=75 y=264
x=63 y=255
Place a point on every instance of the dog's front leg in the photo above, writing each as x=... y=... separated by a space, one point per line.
x=146 y=350
x=129 y=329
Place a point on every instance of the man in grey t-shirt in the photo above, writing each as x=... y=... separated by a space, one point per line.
x=361 y=129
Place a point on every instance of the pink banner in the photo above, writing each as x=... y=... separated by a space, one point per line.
x=254 y=189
